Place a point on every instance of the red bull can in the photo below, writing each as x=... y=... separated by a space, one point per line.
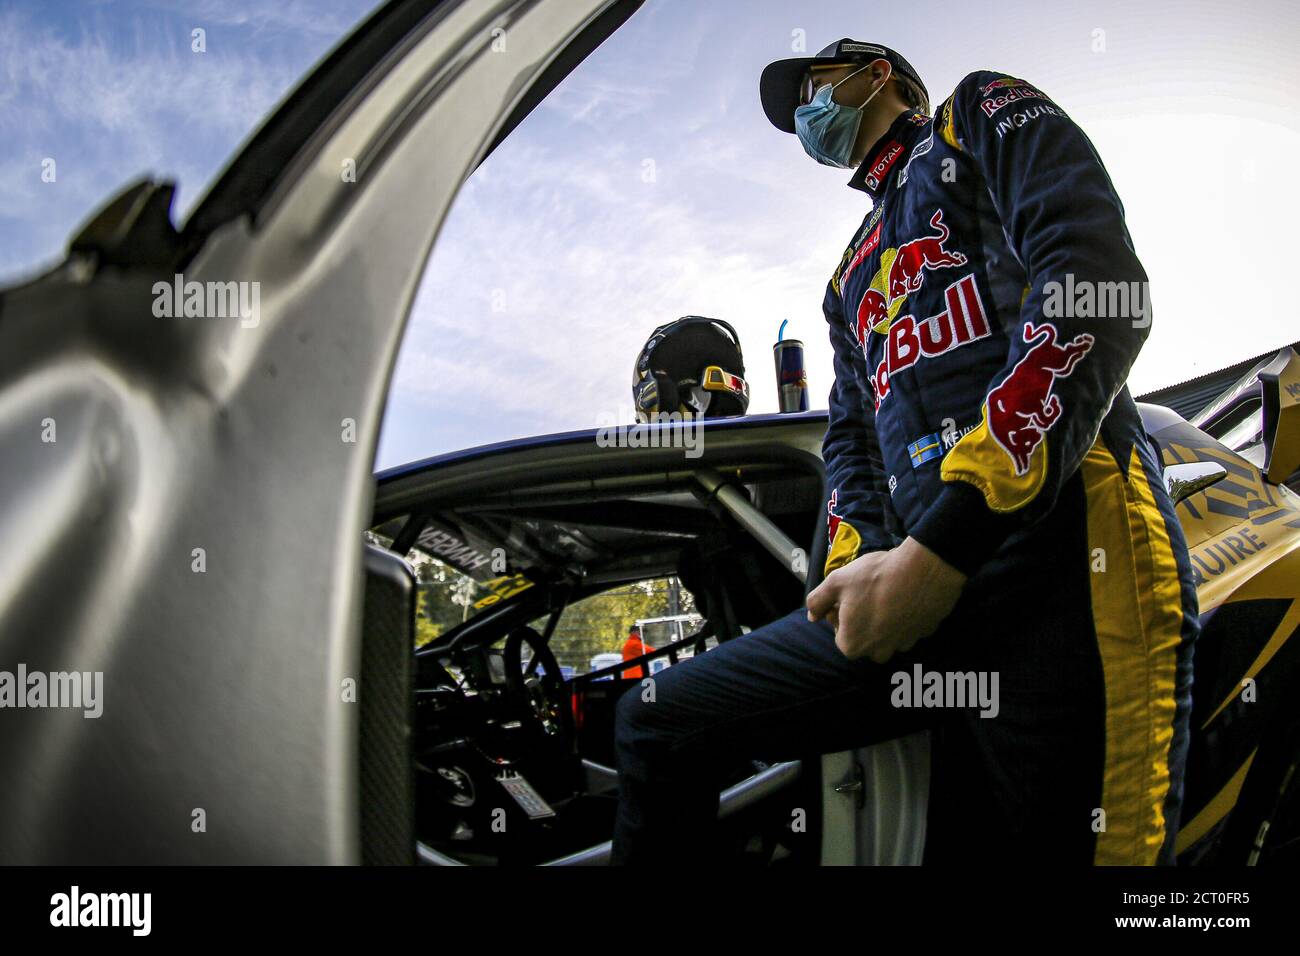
x=791 y=377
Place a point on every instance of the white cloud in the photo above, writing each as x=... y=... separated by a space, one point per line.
x=116 y=93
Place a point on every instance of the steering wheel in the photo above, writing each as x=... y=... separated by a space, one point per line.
x=543 y=696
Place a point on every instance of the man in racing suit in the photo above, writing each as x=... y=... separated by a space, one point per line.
x=994 y=505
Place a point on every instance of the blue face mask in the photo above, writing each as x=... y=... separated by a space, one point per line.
x=828 y=129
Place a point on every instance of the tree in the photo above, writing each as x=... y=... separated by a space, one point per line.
x=600 y=624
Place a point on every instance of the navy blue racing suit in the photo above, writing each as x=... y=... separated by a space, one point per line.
x=984 y=319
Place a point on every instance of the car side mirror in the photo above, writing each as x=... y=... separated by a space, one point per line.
x=1183 y=481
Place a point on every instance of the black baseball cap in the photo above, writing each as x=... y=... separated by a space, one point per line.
x=779 y=85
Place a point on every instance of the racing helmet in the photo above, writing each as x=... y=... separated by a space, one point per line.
x=693 y=366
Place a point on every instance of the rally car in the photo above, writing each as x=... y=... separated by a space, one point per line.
x=185 y=491
x=514 y=766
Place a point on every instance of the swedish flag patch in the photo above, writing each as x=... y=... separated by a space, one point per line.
x=925 y=448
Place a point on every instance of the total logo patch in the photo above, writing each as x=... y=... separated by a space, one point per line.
x=886 y=161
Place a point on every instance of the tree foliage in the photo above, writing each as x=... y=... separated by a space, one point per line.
x=601 y=623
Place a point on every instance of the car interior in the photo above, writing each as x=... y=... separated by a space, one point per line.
x=512 y=763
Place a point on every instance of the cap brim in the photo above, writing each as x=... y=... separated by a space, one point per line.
x=778 y=88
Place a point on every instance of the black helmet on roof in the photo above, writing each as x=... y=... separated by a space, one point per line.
x=692 y=366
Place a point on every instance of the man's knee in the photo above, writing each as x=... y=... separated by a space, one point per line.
x=633 y=719
x=647 y=723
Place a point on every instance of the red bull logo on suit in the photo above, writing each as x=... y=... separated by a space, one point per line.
x=907 y=271
x=1001 y=84
x=1005 y=455
x=901 y=272
x=1007 y=90
x=1022 y=407
x=873 y=313
x=963 y=321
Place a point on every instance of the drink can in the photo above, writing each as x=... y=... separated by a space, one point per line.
x=791 y=377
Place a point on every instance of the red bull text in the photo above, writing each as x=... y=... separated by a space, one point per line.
x=963 y=321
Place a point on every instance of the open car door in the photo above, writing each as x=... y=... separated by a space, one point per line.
x=183 y=495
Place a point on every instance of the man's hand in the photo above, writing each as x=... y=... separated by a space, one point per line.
x=886 y=601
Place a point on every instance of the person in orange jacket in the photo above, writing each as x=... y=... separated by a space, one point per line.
x=632 y=648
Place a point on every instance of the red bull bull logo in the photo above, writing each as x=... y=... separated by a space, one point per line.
x=1022 y=407
x=1006 y=82
x=902 y=272
x=872 y=311
x=913 y=258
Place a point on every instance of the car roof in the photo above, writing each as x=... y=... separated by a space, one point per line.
x=586 y=435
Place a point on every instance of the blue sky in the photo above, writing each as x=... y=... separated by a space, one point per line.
x=649 y=185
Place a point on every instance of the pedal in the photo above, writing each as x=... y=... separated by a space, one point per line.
x=529 y=800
